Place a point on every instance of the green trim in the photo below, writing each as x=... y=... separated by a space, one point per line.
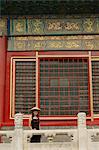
x=31 y=26
x=31 y=43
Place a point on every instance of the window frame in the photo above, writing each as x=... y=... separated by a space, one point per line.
x=66 y=117
x=12 y=83
x=36 y=58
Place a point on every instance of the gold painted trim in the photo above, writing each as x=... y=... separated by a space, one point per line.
x=28 y=57
x=91 y=90
x=11 y=89
x=61 y=118
x=43 y=56
x=37 y=79
x=24 y=60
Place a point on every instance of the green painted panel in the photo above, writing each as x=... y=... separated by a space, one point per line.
x=54 y=26
x=18 y=26
x=3 y=27
x=29 y=43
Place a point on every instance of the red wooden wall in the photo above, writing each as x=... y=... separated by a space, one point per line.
x=2 y=76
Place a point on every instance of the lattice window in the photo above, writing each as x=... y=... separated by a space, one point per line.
x=25 y=85
x=63 y=86
x=95 y=83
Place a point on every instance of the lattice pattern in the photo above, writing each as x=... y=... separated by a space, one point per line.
x=63 y=86
x=95 y=83
x=25 y=86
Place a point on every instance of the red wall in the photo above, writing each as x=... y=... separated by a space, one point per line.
x=2 y=77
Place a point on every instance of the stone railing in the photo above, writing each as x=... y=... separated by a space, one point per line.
x=80 y=138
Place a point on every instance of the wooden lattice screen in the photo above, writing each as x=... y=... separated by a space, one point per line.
x=25 y=86
x=64 y=86
x=95 y=83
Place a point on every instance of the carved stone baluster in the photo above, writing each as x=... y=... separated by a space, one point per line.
x=81 y=120
x=82 y=131
x=18 y=134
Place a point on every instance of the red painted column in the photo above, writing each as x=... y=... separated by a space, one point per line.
x=2 y=76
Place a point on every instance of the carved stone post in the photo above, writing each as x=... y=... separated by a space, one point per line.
x=82 y=131
x=18 y=137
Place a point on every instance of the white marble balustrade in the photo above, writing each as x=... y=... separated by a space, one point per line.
x=80 y=138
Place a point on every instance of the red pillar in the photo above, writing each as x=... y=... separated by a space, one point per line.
x=2 y=76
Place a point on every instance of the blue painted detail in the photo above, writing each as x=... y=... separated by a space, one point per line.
x=8 y=26
x=26 y=25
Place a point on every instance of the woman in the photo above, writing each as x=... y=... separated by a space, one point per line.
x=35 y=124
